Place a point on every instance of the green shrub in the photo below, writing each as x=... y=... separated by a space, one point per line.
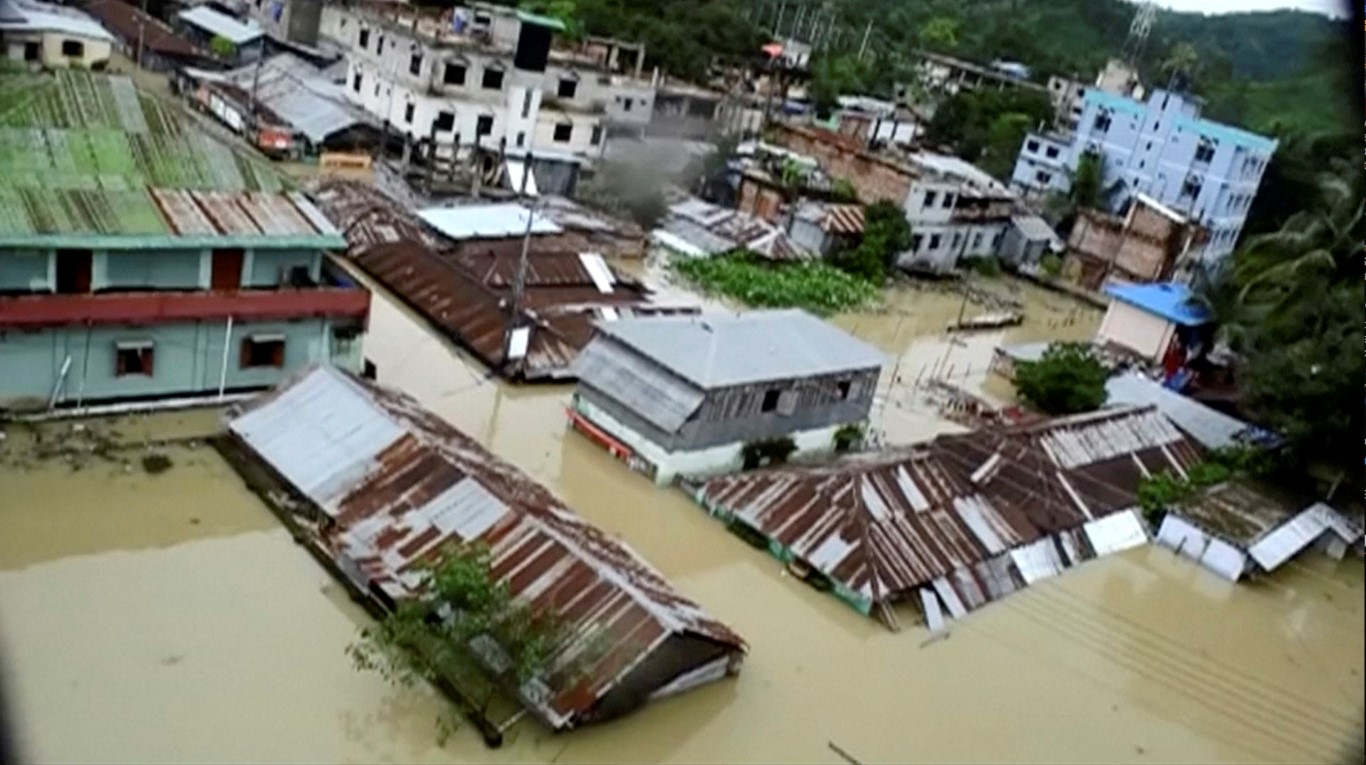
x=816 y=287
x=1067 y=379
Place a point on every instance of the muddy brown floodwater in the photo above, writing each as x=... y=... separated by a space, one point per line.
x=160 y=618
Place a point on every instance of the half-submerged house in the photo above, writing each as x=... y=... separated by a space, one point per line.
x=714 y=393
x=1236 y=531
x=378 y=486
x=962 y=520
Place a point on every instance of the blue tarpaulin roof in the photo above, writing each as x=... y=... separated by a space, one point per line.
x=1171 y=301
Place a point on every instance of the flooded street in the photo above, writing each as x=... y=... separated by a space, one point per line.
x=168 y=617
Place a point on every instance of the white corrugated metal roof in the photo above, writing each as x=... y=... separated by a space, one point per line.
x=1116 y=533
x=222 y=25
x=1212 y=428
x=22 y=15
x=1299 y=532
x=493 y=221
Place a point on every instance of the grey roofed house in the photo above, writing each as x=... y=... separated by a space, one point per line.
x=683 y=395
x=1212 y=428
x=1235 y=529
x=716 y=349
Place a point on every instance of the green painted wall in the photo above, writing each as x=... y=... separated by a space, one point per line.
x=265 y=267
x=22 y=270
x=187 y=359
x=154 y=269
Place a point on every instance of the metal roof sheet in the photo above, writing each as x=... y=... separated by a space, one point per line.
x=400 y=483
x=1299 y=532
x=492 y=221
x=30 y=15
x=652 y=393
x=1212 y=428
x=298 y=93
x=718 y=349
x=909 y=517
x=222 y=25
x=1168 y=300
x=128 y=21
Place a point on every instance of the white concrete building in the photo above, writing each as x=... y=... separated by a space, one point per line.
x=52 y=36
x=955 y=210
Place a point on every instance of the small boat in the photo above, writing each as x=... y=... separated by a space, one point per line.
x=988 y=321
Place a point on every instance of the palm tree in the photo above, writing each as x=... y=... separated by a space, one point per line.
x=1321 y=242
x=1180 y=66
x=1215 y=289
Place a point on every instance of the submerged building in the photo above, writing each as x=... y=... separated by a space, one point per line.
x=378 y=487
x=950 y=525
x=713 y=393
x=141 y=259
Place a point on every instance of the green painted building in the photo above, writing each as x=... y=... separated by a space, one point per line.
x=141 y=259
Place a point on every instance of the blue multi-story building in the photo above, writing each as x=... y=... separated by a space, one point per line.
x=1162 y=148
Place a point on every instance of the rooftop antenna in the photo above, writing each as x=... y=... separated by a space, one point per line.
x=1139 y=29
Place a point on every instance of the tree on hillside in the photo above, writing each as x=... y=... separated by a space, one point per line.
x=1180 y=65
x=989 y=121
x=940 y=33
x=1067 y=379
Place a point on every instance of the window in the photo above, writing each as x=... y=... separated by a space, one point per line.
x=1191 y=188
x=770 y=401
x=948 y=201
x=483 y=126
x=929 y=198
x=844 y=386
x=376 y=88
x=355 y=82
x=408 y=113
x=977 y=241
x=521 y=137
x=916 y=239
x=133 y=359
x=73 y=48
x=957 y=239
x=379 y=46
x=1148 y=147
x=263 y=351
x=934 y=241
x=1102 y=123
x=1204 y=152
x=1043 y=177
x=567 y=89
x=364 y=39
x=526 y=104
x=626 y=104
x=445 y=122
x=33 y=51
x=493 y=79
x=454 y=74
x=996 y=241
x=595 y=137
x=1032 y=146
x=562 y=132
x=1051 y=152
x=415 y=64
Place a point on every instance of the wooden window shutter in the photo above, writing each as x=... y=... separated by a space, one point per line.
x=244 y=359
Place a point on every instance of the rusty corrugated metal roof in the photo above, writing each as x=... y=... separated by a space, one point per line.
x=400 y=483
x=882 y=525
x=845 y=220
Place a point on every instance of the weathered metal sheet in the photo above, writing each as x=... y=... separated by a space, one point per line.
x=401 y=483
x=1290 y=538
x=1116 y=533
x=653 y=394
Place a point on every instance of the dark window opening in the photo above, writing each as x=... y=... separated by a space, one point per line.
x=1051 y=152
x=73 y=272
x=521 y=137
x=408 y=113
x=567 y=89
x=454 y=74
x=297 y=276
x=1102 y=123
x=355 y=82
x=263 y=351
x=1032 y=146
x=364 y=38
x=493 y=79
x=1205 y=151
x=563 y=132
x=929 y=198
x=74 y=48
x=526 y=104
x=595 y=137
x=533 y=48
x=445 y=122
x=916 y=239
x=948 y=201
x=33 y=51
x=844 y=387
x=415 y=64
x=626 y=105
x=1043 y=177
x=934 y=241
x=1191 y=188
x=770 y=402
x=484 y=125
x=133 y=359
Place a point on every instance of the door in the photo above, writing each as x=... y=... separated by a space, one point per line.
x=227 y=269
x=73 y=272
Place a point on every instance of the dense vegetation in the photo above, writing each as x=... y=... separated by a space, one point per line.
x=1160 y=492
x=816 y=287
x=987 y=127
x=1067 y=379
x=886 y=234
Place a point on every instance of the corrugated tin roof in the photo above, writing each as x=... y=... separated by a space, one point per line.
x=222 y=25
x=1034 y=228
x=130 y=23
x=298 y=93
x=694 y=226
x=884 y=524
x=30 y=15
x=491 y=221
x=650 y=392
x=401 y=483
x=1236 y=512
x=720 y=349
x=1212 y=428
x=1299 y=532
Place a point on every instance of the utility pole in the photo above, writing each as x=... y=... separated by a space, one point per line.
x=255 y=84
x=142 y=31
x=519 y=282
x=867 y=30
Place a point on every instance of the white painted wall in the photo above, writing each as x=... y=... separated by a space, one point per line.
x=715 y=460
x=1137 y=330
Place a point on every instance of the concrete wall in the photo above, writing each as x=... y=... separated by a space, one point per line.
x=1137 y=330
x=187 y=359
x=94 y=55
x=33 y=270
x=874 y=178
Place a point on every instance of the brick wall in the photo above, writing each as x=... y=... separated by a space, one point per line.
x=874 y=178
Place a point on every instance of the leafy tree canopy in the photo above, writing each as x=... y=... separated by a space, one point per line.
x=1067 y=379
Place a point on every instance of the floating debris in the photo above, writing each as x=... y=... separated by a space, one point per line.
x=155 y=464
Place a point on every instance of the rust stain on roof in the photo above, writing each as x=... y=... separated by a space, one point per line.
x=410 y=483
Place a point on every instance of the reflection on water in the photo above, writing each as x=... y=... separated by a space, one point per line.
x=137 y=635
